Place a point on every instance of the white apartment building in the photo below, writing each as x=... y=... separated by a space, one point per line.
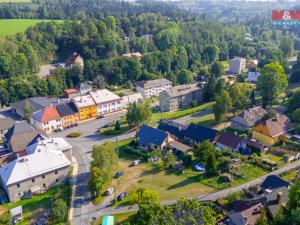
x=237 y=65
x=47 y=120
x=152 y=88
x=106 y=101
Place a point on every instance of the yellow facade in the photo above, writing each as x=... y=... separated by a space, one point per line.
x=70 y=120
x=87 y=112
x=262 y=134
x=264 y=139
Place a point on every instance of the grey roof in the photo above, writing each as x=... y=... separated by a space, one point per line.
x=182 y=90
x=153 y=83
x=36 y=103
x=66 y=109
x=235 y=219
x=250 y=117
x=272 y=203
x=6 y=123
x=20 y=135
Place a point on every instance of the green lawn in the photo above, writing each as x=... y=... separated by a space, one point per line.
x=289 y=175
x=207 y=120
x=13 y=26
x=157 y=116
x=39 y=202
x=246 y=170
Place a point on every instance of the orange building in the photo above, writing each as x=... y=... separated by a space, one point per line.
x=69 y=114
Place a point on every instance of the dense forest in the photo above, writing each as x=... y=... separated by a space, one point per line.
x=181 y=48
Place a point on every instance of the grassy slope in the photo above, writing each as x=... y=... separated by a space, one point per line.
x=12 y=26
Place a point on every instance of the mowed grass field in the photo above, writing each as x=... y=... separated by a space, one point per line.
x=13 y=26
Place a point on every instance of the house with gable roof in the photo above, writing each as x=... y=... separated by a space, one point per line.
x=248 y=118
x=47 y=120
x=270 y=131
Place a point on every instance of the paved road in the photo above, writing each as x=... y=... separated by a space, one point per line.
x=82 y=147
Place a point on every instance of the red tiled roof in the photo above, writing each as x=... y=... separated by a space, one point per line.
x=70 y=91
x=46 y=114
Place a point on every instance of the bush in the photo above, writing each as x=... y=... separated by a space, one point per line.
x=59 y=211
x=74 y=135
x=139 y=152
x=6 y=218
x=296 y=115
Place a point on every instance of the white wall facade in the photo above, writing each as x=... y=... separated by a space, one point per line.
x=109 y=107
x=49 y=126
x=154 y=91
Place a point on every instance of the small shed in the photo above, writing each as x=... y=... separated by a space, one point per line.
x=107 y=220
x=17 y=213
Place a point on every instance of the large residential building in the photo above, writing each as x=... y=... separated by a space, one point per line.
x=47 y=144
x=69 y=114
x=179 y=97
x=5 y=125
x=106 y=101
x=129 y=99
x=270 y=131
x=35 y=104
x=86 y=107
x=248 y=118
x=19 y=136
x=237 y=65
x=152 y=88
x=47 y=120
x=74 y=59
x=34 y=173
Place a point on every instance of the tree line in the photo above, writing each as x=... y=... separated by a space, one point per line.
x=180 y=49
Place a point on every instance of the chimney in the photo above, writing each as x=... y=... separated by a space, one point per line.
x=279 y=197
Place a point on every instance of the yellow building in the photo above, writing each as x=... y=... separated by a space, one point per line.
x=272 y=130
x=86 y=107
x=69 y=114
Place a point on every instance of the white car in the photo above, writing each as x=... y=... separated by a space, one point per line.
x=109 y=191
x=135 y=162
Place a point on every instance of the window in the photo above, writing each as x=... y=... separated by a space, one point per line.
x=18 y=185
x=43 y=176
x=55 y=171
x=44 y=185
x=33 y=180
x=57 y=180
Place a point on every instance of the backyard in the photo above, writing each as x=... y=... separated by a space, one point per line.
x=42 y=202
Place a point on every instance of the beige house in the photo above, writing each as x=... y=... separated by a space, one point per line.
x=34 y=173
x=152 y=88
x=179 y=97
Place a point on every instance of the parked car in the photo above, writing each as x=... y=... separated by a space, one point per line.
x=119 y=174
x=121 y=196
x=135 y=162
x=153 y=159
x=200 y=168
x=109 y=191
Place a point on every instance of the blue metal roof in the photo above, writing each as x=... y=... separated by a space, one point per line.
x=200 y=133
x=149 y=135
x=172 y=127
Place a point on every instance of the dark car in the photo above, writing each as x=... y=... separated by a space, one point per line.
x=121 y=196
x=119 y=174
